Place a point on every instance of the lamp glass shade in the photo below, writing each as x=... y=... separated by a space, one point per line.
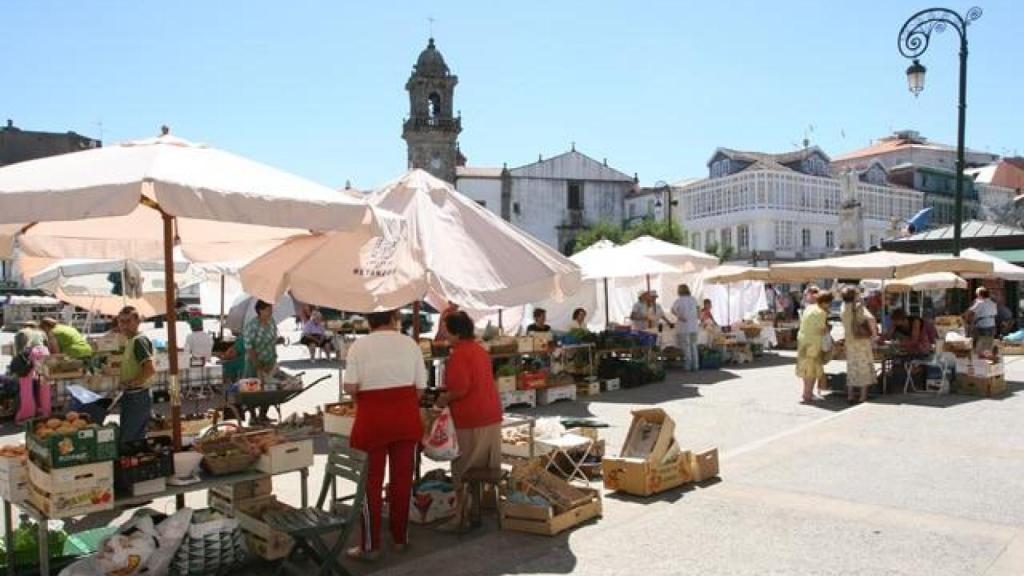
x=915 y=77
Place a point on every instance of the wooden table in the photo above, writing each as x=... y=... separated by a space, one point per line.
x=121 y=503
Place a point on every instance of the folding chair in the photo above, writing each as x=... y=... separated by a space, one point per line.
x=938 y=361
x=309 y=526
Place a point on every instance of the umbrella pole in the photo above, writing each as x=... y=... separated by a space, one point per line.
x=172 y=330
x=222 y=306
x=416 y=320
x=501 y=323
x=648 y=282
x=607 y=313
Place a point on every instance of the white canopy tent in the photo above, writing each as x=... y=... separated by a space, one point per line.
x=881 y=265
x=921 y=282
x=1000 y=268
x=735 y=292
x=138 y=200
x=683 y=259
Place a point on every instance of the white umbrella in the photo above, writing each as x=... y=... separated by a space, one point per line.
x=881 y=265
x=728 y=273
x=471 y=256
x=244 y=307
x=605 y=261
x=1000 y=268
x=138 y=200
x=933 y=281
x=682 y=258
x=355 y=271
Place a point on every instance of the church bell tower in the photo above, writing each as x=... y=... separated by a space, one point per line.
x=431 y=131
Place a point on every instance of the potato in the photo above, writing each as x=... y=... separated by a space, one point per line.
x=71 y=416
x=54 y=423
x=45 y=433
x=79 y=424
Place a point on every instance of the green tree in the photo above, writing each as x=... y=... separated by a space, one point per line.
x=604 y=230
x=723 y=252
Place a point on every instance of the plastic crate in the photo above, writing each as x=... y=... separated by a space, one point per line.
x=710 y=359
x=143 y=461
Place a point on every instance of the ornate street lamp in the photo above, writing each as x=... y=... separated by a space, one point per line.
x=666 y=189
x=912 y=41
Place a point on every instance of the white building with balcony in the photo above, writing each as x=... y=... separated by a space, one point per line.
x=785 y=206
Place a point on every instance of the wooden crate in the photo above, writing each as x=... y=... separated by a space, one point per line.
x=544 y=520
x=286 y=457
x=552 y=394
x=703 y=465
x=981 y=386
x=519 y=398
x=610 y=385
x=263 y=540
x=588 y=388
x=1011 y=348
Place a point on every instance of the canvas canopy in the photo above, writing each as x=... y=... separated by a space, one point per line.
x=1000 y=268
x=882 y=265
x=680 y=257
x=729 y=273
x=138 y=200
x=933 y=281
x=606 y=260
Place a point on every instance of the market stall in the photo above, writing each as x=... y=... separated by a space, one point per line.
x=140 y=199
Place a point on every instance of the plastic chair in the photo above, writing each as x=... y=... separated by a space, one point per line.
x=309 y=526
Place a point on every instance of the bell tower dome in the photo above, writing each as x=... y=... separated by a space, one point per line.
x=431 y=131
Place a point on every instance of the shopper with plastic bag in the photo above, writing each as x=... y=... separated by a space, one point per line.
x=472 y=398
x=386 y=374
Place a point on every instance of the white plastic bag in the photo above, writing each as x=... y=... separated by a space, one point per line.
x=440 y=443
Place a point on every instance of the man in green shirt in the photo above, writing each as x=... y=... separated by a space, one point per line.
x=64 y=339
x=137 y=370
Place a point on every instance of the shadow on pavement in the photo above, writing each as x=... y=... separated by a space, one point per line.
x=932 y=400
x=670 y=496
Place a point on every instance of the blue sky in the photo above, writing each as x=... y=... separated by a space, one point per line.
x=317 y=88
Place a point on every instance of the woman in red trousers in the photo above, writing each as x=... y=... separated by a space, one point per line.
x=386 y=374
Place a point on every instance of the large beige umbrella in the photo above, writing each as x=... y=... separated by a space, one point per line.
x=471 y=256
x=729 y=273
x=881 y=265
x=932 y=281
x=354 y=271
x=139 y=199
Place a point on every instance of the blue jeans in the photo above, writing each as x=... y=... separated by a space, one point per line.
x=136 y=408
x=687 y=343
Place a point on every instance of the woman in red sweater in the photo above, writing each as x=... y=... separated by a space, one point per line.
x=471 y=395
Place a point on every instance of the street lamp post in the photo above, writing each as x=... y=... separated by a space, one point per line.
x=912 y=41
x=667 y=190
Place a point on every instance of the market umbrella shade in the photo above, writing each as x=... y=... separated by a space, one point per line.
x=1000 y=268
x=244 y=308
x=138 y=199
x=357 y=271
x=933 y=281
x=604 y=260
x=470 y=255
x=682 y=258
x=729 y=273
x=881 y=265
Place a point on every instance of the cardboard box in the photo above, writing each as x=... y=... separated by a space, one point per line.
x=519 y=398
x=650 y=460
x=981 y=386
x=286 y=457
x=979 y=367
x=93 y=444
x=703 y=465
x=73 y=491
x=532 y=380
x=524 y=344
x=611 y=385
x=544 y=519
x=546 y=396
x=505 y=383
x=263 y=540
x=338 y=425
x=650 y=435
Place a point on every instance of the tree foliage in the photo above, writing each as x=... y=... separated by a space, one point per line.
x=604 y=230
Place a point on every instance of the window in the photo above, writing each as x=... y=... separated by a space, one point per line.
x=874 y=240
x=709 y=238
x=784 y=234
x=743 y=237
x=650 y=207
x=726 y=236
x=515 y=208
x=805 y=238
x=695 y=241
x=433 y=105
x=575 y=196
x=632 y=210
x=830 y=239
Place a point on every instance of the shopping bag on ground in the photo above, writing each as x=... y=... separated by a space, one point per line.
x=440 y=442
